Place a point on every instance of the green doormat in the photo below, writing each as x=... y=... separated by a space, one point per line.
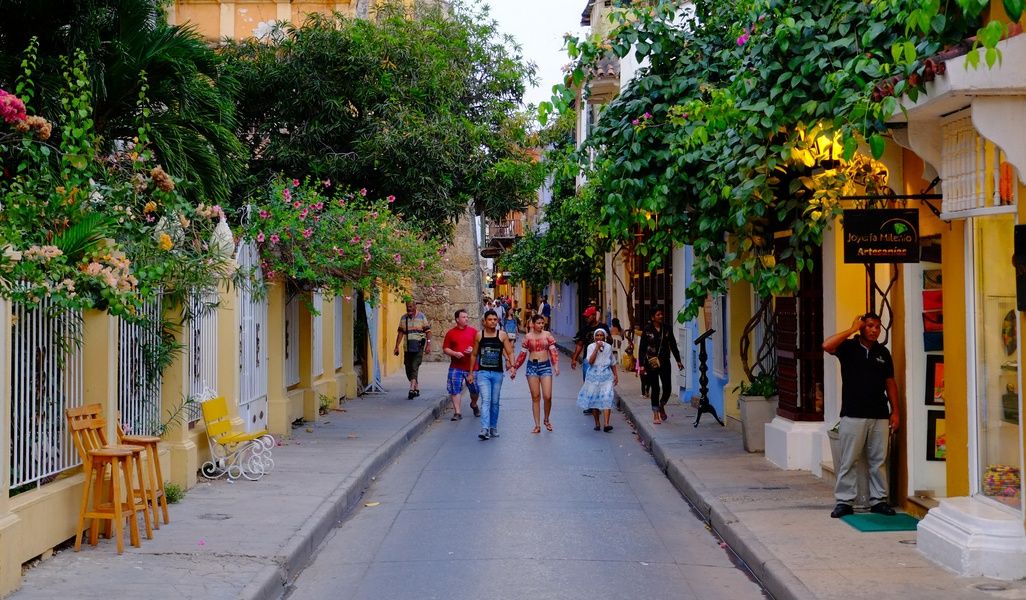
x=875 y=522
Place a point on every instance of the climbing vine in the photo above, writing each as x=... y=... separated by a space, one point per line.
x=753 y=117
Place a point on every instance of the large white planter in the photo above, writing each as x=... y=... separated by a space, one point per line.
x=756 y=412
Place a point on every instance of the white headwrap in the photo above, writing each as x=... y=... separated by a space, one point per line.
x=604 y=332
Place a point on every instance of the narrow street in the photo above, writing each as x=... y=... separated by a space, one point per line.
x=573 y=513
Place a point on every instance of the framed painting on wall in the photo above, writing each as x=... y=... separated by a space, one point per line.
x=936 y=436
x=935 y=380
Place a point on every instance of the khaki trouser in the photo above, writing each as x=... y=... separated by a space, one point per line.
x=866 y=438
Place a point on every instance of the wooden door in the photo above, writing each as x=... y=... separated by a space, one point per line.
x=799 y=334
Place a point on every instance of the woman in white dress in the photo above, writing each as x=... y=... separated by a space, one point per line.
x=597 y=391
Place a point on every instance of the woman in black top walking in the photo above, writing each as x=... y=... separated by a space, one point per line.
x=489 y=348
x=657 y=343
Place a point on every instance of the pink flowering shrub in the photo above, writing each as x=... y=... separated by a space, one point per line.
x=310 y=238
x=103 y=232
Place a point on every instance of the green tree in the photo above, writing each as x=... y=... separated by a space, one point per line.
x=422 y=108
x=189 y=99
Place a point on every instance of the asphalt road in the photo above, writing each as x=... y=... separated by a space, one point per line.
x=572 y=513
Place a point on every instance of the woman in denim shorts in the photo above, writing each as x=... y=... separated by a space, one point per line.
x=540 y=352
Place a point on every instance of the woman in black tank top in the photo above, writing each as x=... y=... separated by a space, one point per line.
x=491 y=346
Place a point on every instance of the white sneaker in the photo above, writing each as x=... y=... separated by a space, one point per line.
x=484 y=434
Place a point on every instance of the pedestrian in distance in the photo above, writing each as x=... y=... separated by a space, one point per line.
x=512 y=324
x=490 y=346
x=657 y=344
x=597 y=393
x=869 y=411
x=546 y=311
x=458 y=345
x=542 y=356
x=582 y=339
x=413 y=326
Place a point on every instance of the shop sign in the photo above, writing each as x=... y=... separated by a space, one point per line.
x=881 y=235
x=1019 y=261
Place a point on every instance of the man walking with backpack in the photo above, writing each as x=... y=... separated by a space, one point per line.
x=415 y=327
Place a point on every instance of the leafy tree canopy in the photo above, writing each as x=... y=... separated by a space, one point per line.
x=423 y=108
x=189 y=100
x=566 y=246
x=746 y=120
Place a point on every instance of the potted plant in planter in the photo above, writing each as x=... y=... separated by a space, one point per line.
x=758 y=403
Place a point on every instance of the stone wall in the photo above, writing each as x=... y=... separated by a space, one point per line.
x=460 y=286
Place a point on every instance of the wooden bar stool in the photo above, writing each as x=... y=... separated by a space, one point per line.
x=155 y=476
x=115 y=510
x=88 y=432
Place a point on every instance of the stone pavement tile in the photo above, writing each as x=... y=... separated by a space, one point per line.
x=482 y=533
x=720 y=582
x=512 y=579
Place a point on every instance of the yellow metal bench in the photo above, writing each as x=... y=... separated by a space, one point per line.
x=233 y=452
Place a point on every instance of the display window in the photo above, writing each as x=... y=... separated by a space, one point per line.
x=996 y=406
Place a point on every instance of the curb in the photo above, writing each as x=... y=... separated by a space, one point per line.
x=774 y=576
x=769 y=570
x=297 y=552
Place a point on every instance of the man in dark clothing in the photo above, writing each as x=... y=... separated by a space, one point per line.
x=654 y=350
x=869 y=411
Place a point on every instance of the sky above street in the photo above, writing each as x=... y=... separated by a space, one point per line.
x=538 y=26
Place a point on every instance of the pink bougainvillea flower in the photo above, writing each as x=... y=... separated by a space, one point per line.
x=287 y=194
x=274 y=238
x=326 y=183
x=319 y=206
x=303 y=213
x=647 y=115
x=297 y=205
x=398 y=258
x=363 y=191
x=366 y=257
x=307 y=232
x=355 y=240
x=295 y=183
x=374 y=214
x=635 y=122
x=391 y=199
x=260 y=237
x=264 y=214
x=742 y=39
x=367 y=244
x=12 y=109
x=342 y=219
x=422 y=265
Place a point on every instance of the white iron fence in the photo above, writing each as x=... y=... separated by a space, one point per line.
x=292 y=342
x=139 y=373
x=252 y=329
x=202 y=350
x=46 y=379
x=317 y=336
x=338 y=332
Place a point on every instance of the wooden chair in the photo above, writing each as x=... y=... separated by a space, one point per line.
x=155 y=481
x=234 y=453
x=88 y=433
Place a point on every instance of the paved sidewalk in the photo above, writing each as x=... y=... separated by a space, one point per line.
x=248 y=539
x=778 y=522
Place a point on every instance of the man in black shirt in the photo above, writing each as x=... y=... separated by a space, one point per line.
x=869 y=411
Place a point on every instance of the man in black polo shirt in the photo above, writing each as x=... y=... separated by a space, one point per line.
x=869 y=411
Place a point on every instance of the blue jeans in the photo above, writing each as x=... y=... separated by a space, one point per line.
x=584 y=369
x=490 y=384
